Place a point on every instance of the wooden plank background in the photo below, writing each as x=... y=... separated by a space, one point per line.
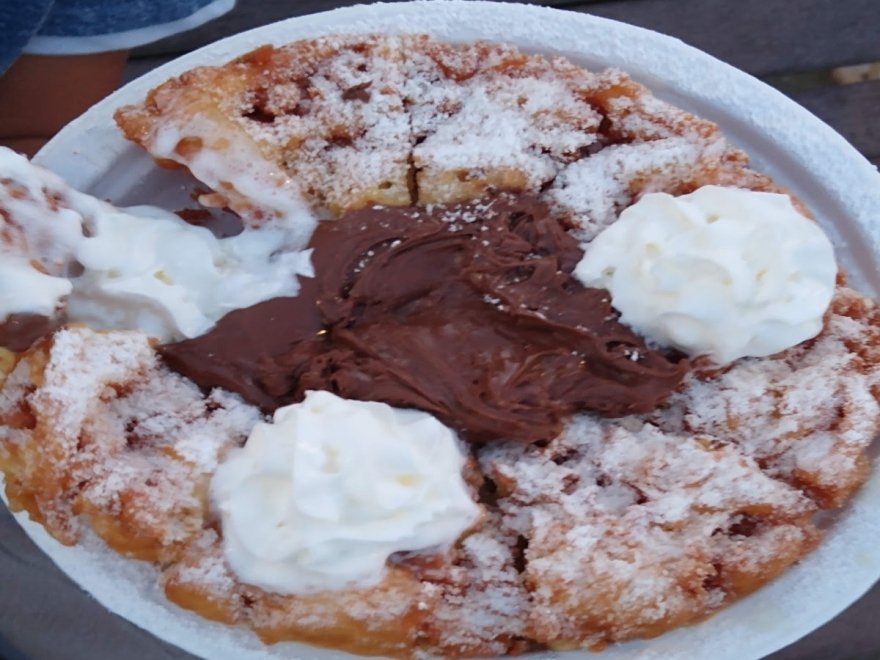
x=759 y=36
x=853 y=110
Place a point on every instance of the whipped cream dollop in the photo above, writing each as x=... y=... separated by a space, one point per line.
x=320 y=498
x=141 y=268
x=721 y=272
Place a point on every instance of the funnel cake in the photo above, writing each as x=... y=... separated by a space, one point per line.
x=352 y=121
x=613 y=530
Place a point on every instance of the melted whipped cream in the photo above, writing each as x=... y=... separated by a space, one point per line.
x=319 y=499
x=228 y=161
x=26 y=290
x=721 y=272
x=146 y=269
x=37 y=238
x=141 y=268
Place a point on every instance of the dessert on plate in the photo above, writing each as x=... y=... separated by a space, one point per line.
x=503 y=355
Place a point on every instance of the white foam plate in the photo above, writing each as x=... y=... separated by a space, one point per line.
x=784 y=140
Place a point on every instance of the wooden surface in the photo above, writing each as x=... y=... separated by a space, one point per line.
x=758 y=36
x=44 y=616
x=854 y=110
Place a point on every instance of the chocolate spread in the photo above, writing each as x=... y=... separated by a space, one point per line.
x=468 y=312
x=19 y=331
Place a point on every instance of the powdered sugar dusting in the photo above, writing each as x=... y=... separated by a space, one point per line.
x=114 y=435
x=626 y=524
x=83 y=365
x=594 y=190
x=806 y=416
x=489 y=112
x=483 y=604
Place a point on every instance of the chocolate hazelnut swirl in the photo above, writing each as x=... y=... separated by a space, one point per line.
x=468 y=312
x=19 y=331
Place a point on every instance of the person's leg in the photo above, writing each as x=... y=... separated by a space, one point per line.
x=40 y=94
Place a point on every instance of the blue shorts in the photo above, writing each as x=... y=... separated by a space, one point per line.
x=69 y=27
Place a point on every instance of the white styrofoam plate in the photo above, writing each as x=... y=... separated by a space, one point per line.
x=784 y=140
